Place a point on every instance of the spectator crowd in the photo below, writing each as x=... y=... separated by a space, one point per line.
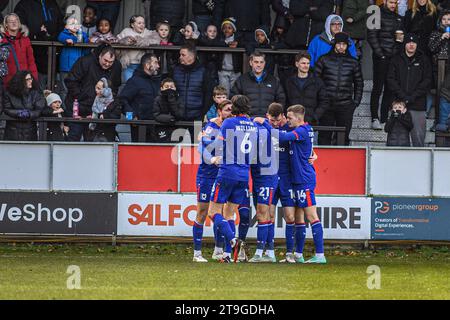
x=325 y=76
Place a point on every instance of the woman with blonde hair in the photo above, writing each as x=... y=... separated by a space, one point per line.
x=421 y=20
x=21 y=57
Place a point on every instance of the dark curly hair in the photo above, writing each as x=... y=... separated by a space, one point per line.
x=17 y=85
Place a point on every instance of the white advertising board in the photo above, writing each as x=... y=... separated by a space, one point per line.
x=173 y=215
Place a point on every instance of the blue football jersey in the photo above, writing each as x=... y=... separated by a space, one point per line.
x=301 y=149
x=266 y=164
x=239 y=137
x=207 y=170
x=283 y=153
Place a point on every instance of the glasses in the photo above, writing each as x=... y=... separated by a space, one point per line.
x=29 y=79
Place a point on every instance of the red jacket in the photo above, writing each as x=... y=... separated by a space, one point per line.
x=24 y=53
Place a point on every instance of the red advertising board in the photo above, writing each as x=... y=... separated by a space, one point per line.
x=340 y=171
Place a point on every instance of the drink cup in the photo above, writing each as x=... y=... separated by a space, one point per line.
x=129 y=115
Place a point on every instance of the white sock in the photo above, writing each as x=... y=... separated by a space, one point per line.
x=227 y=254
x=271 y=253
x=259 y=252
x=218 y=250
x=197 y=253
x=298 y=255
x=320 y=255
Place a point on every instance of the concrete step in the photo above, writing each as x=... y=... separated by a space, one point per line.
x=370 y=135
x=366 y=123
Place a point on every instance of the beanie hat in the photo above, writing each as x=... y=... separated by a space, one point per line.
x=52 y=97
x=341 y=37
x=231 y=21
x=411 y=37
x=264 y=30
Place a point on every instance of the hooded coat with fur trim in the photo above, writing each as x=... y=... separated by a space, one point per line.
x=23 y=50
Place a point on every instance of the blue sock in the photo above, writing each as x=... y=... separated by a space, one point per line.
x=223 y=227
x=233 y=229
x=270 y=236
x=197 y=233
x=300 y=237
x=244 y=222
x=289 y=233
x=317 y=231
x=261 y=236
x=218 y=237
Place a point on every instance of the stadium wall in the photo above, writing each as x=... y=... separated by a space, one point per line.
x=148 y=190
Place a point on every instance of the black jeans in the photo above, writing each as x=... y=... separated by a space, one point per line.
x=339 y=116
x=380 y=70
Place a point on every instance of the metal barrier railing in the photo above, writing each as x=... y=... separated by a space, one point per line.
x=143 y=124
x=53 y=46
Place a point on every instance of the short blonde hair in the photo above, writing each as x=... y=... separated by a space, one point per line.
x=12 y=14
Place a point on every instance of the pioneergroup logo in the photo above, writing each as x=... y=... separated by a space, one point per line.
x=383 y=207
x=32 y=213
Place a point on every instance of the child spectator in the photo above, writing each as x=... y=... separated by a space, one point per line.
x=104 y=108
x=399 y=125
x=56 y=131
x=167 y=58
x=230 y=63
x=262 y=41
x=71 y=34
x=89 y=25
x=219 y=95
x=190 y=34
x=167 y=109
x=103 y=33
x=211 y=60
x=163 y=29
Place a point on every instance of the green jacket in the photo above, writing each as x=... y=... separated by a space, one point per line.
x=355 y=9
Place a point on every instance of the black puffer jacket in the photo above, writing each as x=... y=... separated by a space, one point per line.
x=341 y=74
x=249 y=14
x=307 y=23
x=34 y=102
x=312 y=96
x=83 y=77
x=410 y=79
x=261 y=94
x=398 y=128
x=170 y=10
x=382 y=40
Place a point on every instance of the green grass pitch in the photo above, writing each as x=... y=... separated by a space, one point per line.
x=165 y=271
